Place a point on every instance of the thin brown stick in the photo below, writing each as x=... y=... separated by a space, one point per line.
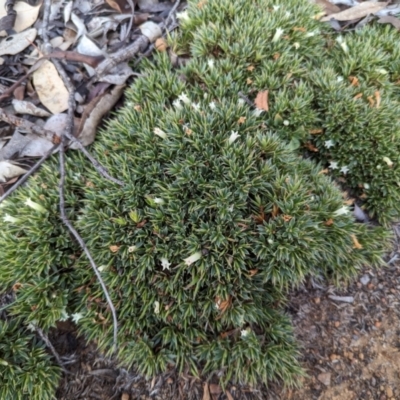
x=121 y=56
x=27 y=126
x=69 y=130
x=171 y=13
x=50 y=346
x=22 y=180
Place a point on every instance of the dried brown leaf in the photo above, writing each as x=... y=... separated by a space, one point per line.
x=356 y=243
x=114 y=248
x=390 y=19
x=315 y=131
x=228 y=395
x=215 y=389
x=261 y=100
x=359 y=11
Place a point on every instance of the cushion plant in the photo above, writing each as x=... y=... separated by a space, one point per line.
x=219 y=215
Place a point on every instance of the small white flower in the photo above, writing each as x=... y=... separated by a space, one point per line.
x=131 y=249
x=244 y=332
x=212 y=105
x=339 y=79
x=165 y=263
x=160 y=133
x=32 y=326
x=196 y=106
x=193 y=258
x=158 y=200
x=270 y=241
x=184 y=99
x=210 y=63
x=241 y=320
x=286 y=122
x=288 y=13
x=296 y=45
x=9 y=218
x=388 y=161
x=276 y=8
x=342 y=43
x=77 y=317
x=333 y=165
x=310 y=34
x=257 y=112
x=277 y=35
x=343 y=210
x=64 y=315
x=233 y=137
x=240 y=102
x=382 y=71
x=156 y=307
x=177 y=104
x=230 y=208
x=102 y=268
x=366 y=186
x=217 y=304
x=35 y=206
x=344 y=170
x=328 y=144
x=184 y=16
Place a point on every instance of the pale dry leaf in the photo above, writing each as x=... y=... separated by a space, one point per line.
x=67 y=11
x=151 y=30
x=118 y=75
x=79 y=25
x=94 y=113
x=50 y=88
x=261 y=100
x=161 y=44
x=18 y=42
x=26 y=107
x=26 y=15
x=395 y=22
x=359 y=11
x=87 y=47
x=146 y=3
x=37 y=147
x=356 y=243
x=206 y=392
x=9 y=170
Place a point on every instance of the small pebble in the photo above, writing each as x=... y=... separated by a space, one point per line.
x=325 y=378
x=365 y=279
x=389 y=391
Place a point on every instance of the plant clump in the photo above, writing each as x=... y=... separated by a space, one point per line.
x=219 y=215
x=334 y=96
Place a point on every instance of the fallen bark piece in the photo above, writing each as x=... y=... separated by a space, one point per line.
x=343 y=299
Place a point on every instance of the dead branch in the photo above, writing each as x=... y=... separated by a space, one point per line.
x=50 y=346
x=69 y=130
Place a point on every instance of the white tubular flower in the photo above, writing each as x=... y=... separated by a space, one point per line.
x=230 y=208
x=296 y=45
x=286 y=122
x=35 y=206
x=276 y=8
x=156 y=307
x=165 y=264
x=240 y=102
x=160 y=133
x=77 y=317
x=257 y=112
x=277 y=35
x=212 y=105
x=342 y=211
x=193 y=258
x=388 y=161
x=233 y=137
x=211 y=63
x=244 y=333
x=102 y=268
x=196 y=106
x=344 y=170
x=366 y=186
x=177 y=104
x=184 y=99
x=342 y=43
x=184 y=16
x=131 y=249
x=333 y=165
x=157 y=200
x=64 y=315
x=9 y=218
x=328 y=144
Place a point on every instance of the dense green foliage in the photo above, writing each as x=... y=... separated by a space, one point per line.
x=219 y=214
x=26 y=371
x=344 y=88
